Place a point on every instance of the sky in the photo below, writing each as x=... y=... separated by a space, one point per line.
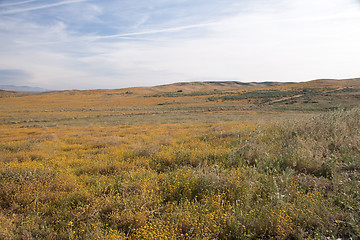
x=92 y=44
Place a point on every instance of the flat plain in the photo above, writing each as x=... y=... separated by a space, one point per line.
x=202 y=160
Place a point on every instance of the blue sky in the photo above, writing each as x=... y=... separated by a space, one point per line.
x=89 y=44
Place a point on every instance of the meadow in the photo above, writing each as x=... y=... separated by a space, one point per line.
x=271 y=162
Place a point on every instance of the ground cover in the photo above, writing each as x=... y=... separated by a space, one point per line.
x=89 y=165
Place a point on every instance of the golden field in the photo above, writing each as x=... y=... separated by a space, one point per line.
x=182 y=161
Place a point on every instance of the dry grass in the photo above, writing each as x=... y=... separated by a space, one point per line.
x=285 y=180
x=200 y=170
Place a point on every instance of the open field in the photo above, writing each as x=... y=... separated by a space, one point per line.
x=182 y=161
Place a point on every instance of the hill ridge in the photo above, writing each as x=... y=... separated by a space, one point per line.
x=193 y=86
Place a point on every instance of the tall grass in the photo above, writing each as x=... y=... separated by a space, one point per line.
x=280 y=180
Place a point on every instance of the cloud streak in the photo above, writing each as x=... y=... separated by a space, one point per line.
x=16 y=3
x=36 y=7
x=156 y=31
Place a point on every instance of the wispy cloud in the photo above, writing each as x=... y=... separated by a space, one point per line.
x=112 y=44
x=156 y=31
x=16 y=3
x=35 y=7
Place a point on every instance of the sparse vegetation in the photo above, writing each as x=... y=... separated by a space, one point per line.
x=287 y=177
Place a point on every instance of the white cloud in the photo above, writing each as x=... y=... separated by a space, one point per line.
x=288 y=44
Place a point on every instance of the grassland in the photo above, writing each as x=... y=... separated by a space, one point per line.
x=183 y=161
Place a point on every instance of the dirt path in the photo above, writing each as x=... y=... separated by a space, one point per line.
x=301 y=95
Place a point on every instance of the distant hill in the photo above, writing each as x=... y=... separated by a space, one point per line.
x=351 y=82
x=4 y=93
x=206 y=86
x=218 y=85
x=25 y=89
x=234 y=85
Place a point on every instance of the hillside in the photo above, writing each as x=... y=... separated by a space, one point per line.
x=4 y=93
x=188 y=87
x=207 y=86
